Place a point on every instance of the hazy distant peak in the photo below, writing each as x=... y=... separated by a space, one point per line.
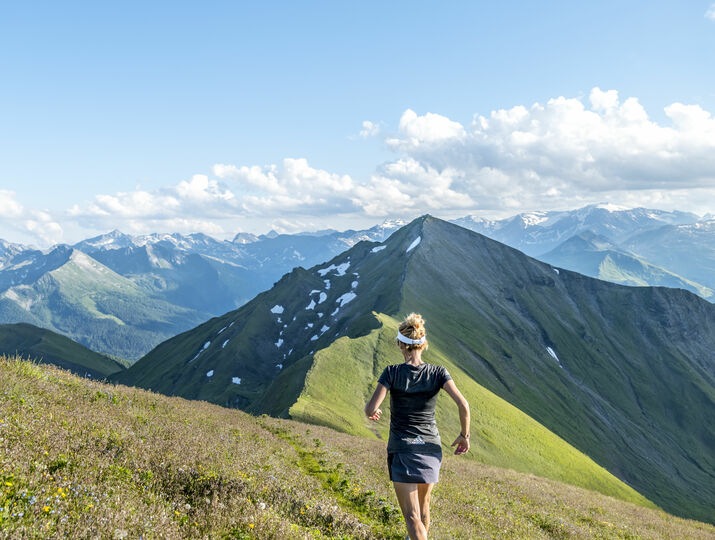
x=244 y=238
x=270 y=234
x=114 y=239
x=610 y=207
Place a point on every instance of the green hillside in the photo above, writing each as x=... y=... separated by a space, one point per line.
x=97 y=307
x=83 y=459
x=503 y=435
x=29 y=341
x=612 y=370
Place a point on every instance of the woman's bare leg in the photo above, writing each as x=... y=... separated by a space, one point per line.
x=424 y=493
x=410 y=504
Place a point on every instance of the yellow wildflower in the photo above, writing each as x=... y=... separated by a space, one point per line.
x=250 y=525
x=45 y=508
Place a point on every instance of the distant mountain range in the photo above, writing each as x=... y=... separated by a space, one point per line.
x=69 y=292
x=123 y=295
x=594 y=255
x=624 y=374
x=536 y=233
x=655 y=247
x=172 y=281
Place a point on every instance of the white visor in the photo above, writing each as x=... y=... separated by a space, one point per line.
x=405 y=339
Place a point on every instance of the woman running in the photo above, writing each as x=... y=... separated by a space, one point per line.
x=414 y=449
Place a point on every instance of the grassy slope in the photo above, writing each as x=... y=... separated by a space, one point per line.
x=635 y=361
x=503 y=435
x=79 y=458
x=33 y=342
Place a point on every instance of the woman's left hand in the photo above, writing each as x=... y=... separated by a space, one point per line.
x=462 y=445
x=376 y=416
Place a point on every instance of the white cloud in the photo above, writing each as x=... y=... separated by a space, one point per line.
x=563 y=148
x=710 y=13
x=428 y=129
x=369 y=129
x=566 y=152
x=30 y=224
x=9 y=207
x=198 y=197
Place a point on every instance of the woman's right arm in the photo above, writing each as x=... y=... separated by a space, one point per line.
x=372 y=409
x=462 y=441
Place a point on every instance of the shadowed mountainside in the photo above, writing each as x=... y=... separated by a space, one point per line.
x=613 y=370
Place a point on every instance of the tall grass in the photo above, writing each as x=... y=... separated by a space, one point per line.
x=83 y=459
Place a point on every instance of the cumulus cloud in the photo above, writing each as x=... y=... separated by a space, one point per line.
x=564 y=153
x=710 y=13
x=31 y=224
x=429 y=129
x=197 y=197
x=369 y=129
x=564 y=147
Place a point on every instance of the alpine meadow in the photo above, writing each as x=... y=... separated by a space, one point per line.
x=353 y=271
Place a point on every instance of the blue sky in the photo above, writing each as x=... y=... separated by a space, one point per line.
x=106 y=109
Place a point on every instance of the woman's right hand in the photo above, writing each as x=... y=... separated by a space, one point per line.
x=376 y=416
x=462 y=445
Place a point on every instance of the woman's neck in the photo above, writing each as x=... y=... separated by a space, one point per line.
x=413 y=357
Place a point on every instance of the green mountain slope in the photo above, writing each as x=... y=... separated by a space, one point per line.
x=595 y=256
x=48 y=347
x=614 y=371
x=97 y=307
x=80 y=459
x=503 y=435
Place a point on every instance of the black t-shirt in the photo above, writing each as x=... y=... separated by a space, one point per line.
x=413 y=395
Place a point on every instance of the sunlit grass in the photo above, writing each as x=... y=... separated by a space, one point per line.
x=84 y=459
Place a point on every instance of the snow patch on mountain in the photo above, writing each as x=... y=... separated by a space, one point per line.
x=345 y=298
x=377 y=249
x=414 y=244
x=206 y=346
x=534 y=218
x=553 y=355
x=277 y=309
x=612 y=207
x=210 y=373
x=236 y=380
x=12 y=295
x=340 y=269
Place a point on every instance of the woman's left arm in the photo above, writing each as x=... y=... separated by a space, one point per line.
x=372 y=409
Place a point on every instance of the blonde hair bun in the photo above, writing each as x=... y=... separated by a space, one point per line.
x=413 y=327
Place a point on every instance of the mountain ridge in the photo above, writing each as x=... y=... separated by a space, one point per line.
x=544 y=339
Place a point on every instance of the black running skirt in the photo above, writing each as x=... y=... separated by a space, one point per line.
x=414 y=468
